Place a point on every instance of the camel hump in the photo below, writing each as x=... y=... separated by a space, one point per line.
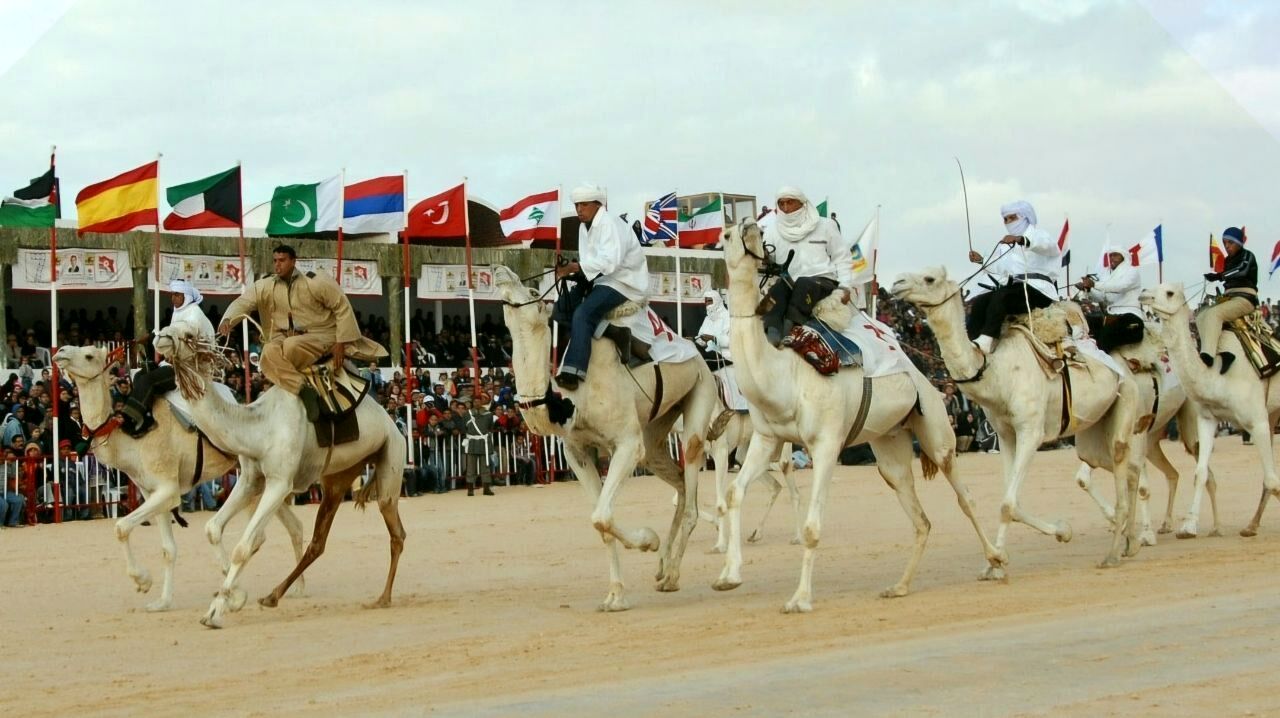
x=1050 y=325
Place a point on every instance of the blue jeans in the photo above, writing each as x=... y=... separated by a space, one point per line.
x=585 y=319
x=11 y=509
x=205 y=492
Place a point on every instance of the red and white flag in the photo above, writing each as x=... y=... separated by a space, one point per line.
x=534 y=217
x=441 y=216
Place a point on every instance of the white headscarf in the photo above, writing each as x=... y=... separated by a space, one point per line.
x=588 y=193
x=193 y=296
x=717 y=302
x=1026 y=217
x=797 y=225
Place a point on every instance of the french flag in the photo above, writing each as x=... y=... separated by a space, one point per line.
x=1149 y=249
x=374 y=206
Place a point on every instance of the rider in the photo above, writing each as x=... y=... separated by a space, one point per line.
x=823 y=260
x=304 y=318
x=713 y=340
x=148 y=384
x=1020 y=275
x=1122 y=323
x=610 y=270
x=1239 y=276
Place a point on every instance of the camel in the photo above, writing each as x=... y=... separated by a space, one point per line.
x=1025 y=406
x=613 y=411
x=276 y=442
x=1239 y=396
x=790 y=401
x=161 y=463
x=736 y=436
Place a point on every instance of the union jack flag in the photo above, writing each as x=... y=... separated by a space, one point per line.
x=660 y=221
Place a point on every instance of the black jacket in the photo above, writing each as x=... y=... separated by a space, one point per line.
x=1239 y=272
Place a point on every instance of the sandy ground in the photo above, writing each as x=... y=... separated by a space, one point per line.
x=494 y=614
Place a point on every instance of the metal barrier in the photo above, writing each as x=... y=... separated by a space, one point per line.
x=84 y=487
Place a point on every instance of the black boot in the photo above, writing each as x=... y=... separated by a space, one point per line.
x=1227 y=360
x=488 y=491
x=310 y=401
x=471 y=489
x=620 y=336
x=1208 y=360
x=568 y=380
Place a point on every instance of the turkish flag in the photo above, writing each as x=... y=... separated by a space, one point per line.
x=444 y=215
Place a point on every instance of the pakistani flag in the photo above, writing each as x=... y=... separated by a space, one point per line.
x=31 y=206
x=306 y=208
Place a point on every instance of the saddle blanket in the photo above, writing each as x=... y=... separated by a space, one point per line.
x=1089 y=348
x=882 y=355
x=664 y=346
x=730 y=394
x=1168 y=377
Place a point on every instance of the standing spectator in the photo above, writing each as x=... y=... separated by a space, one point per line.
x=478 y=426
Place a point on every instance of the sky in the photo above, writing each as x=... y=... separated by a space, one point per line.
x=1117 y=114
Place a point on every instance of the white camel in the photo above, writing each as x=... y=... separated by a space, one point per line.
x=1025 y=406
x=614 y=411
x=161 y=463
x=790 y=401
x=736 y=437
x=1239 y=396
x=275 y=441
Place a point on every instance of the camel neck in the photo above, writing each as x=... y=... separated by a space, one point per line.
x=217 y=418
x=1182 y=349
x=963 y=360
x=95 y=401
x=755 y=360
x=531 y=363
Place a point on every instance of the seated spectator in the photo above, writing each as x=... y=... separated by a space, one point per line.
x=13 y=507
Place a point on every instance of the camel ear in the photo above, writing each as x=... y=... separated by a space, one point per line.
x=942 y=274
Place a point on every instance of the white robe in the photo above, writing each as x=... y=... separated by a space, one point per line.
x=610 y=254
x=1040 y=256
x=824 y=252
x=1119 y=291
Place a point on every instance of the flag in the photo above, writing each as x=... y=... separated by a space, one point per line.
x=1148 y=250
x=701 y=227
x=1064 y=246
x=1275 y=260
x=375 y=205
x=444 y=215
x=863 y=271
x=306 y=208
x=822 y=208
x=534 y=217
x=31 y=206
x=122 y=203
x=1218 y=255
x=661 y=221
x=207 y=203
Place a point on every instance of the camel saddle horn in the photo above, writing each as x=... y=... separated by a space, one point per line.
x=340 y=391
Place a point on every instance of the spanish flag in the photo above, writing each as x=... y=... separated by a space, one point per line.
x=122 y=203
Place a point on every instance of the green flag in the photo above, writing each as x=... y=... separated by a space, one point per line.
x=32 y=205
x=822 y=208
x=306 y=208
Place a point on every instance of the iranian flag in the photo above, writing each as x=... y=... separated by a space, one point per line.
x=534 y=217
x=306 y=208
x=703 y=226
x=207 y=203
x=31 y=206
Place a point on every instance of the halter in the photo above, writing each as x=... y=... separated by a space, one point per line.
x=768 y=268
x=540 y=297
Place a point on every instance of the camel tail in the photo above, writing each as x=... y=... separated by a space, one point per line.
x=927 y=466
x=367 y=492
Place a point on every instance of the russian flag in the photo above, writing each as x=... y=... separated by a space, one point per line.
x=375 y=205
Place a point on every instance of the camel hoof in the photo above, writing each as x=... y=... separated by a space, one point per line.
x=725 y=584
x=1215 y=532
x=668 y=585
x=1131 y=547
x=1186 y=532
x=160 y=606
x=1063 y=532
x=1109 y=562
x=717 y=549
x=1248 y=532
x=236 y=599
x=1165 y=529
x=755 y=536
x=269 y=601
x=143 y=581
x=380 y=603
x=796 y=540
x=211 y=619
x=650 y=542
x=297 y=590
x=1147 y=538
x=613 y=604
x=993 y=573
x=897 y=591
x=797 y=606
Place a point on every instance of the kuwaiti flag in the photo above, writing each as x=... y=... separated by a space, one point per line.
x=1149 y=250
x=534 y=217
x=375 y=205
x=211 y=202
x=306 y=208
x=33 y=205
x=702 y=226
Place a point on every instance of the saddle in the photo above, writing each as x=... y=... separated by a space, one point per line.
x=340 y=393
x=632 y=352
x=824 y=348
x=1258 y=341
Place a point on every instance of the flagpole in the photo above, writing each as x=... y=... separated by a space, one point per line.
x=408 y=340
x=875 y=254
x=1067 y=222
x=155 y=261
x=679 y=279
x=555 y=326
x=55 y=392
x=342 y=202
x=244 y=285
x=471 y=295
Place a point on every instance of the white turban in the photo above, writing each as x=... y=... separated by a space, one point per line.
x=182 y=286
x=795 y=226
x=717 y=302
x=1026 y=217
x=588 y=193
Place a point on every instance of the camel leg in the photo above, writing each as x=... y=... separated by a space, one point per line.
x=169 y=549
x=1211 y=488
x=788 y=477
x=1027 y=443
x=583 y=464
x=1124 y=541
x=155 y=503
x=1260 y=430
x=330 y=500
x=720 y=455
x=775 y=488
x=893 y=460
x=294 y=527
x=390 y=510
x=229 y=595
x=685 y=518
x=1206 y=426
x=946 y=464
x=244 y=494
x=1158 y=459
x=622 y=464
x=1146 y=535
x=759 y=454
x=1084 y=476
x=825 y=454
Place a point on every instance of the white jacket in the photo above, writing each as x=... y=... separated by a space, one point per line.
x=1119 y=292
x=824 y=252
x=192 y=314
x=1040 y=256
x=716 y=325
x=611 y=252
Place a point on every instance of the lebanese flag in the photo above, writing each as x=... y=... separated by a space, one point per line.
x=1217 y=255
x=1149 y=250
x=534 y=217
x=441 y=216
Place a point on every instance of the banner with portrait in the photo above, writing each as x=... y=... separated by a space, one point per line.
x=78 y=270
x=359 y=276
x=449 y=281
x=662 y=287
x=208 y=274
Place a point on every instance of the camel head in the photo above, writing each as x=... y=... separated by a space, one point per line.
x=194 y=358
x=519 y=303
x=1164 y=299
x=926 y=288
x=84 y=364
x=743 y=245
